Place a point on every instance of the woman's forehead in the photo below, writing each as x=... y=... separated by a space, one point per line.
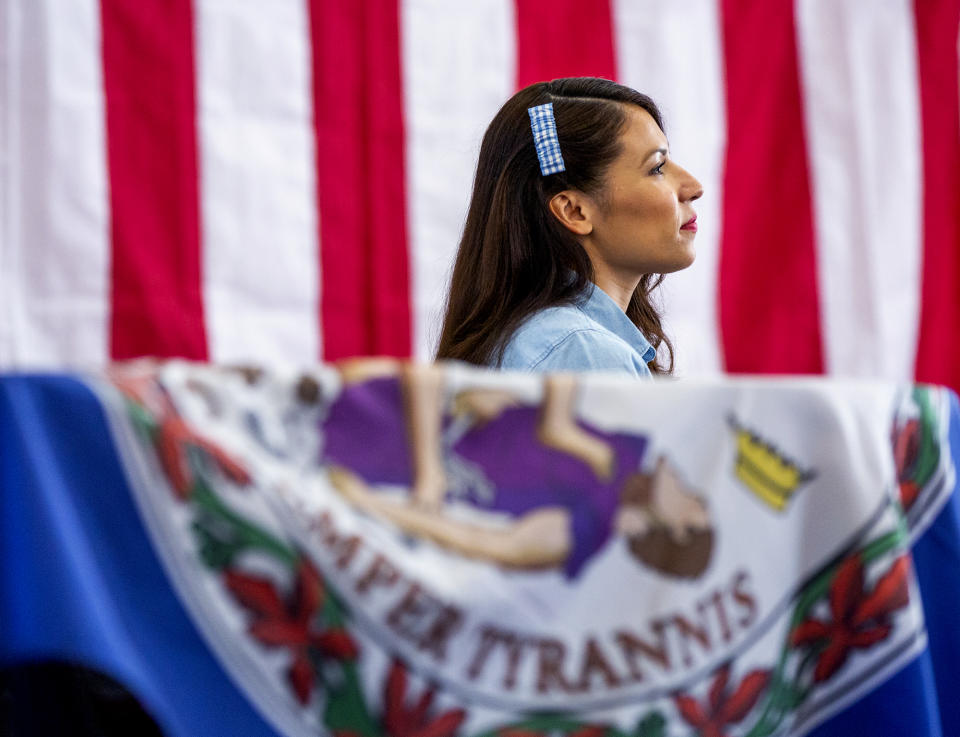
x=642 y=137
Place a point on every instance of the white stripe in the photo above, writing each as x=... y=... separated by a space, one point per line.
x=862 y=110
x=8 y=48
x=459 y=67
x=258 y=183
x=672 y=52
x=54 y=243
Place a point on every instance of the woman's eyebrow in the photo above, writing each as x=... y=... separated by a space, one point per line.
x=659 y=150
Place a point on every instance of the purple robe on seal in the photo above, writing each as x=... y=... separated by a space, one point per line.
x=366 y=432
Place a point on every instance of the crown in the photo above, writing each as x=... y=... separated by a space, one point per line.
x=764 y=470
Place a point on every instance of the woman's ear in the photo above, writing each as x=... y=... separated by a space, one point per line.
x=573 y=210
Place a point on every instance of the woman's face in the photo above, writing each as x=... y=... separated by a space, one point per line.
x=644 y=221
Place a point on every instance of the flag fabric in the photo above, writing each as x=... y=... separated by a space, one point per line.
x=239 y=181
x=260 y=552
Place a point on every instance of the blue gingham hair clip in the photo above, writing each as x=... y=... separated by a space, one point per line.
x=545 y=138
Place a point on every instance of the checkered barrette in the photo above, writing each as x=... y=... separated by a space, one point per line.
x=545 y=138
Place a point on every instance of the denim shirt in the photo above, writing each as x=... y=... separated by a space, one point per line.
x=593 y=334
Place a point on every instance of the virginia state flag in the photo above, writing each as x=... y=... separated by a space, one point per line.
x=241 y=550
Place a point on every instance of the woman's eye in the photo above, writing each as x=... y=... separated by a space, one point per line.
x=659 y=168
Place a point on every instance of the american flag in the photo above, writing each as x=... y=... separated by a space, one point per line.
x=234 y=180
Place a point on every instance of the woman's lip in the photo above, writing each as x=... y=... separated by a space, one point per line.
x=691 y=224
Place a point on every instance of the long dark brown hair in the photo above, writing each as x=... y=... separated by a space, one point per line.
x=515 y=258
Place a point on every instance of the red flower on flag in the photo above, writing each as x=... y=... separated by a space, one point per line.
x=906 y=447
x=403 y=721
x=723 y=706
x=280 y=623
x=174 y=438
x=859 y=620
x=589 y=730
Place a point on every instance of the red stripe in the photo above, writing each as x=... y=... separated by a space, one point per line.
x=338 y=74
x=365 y=292
x=148 y=73
x=386 y=183
x=564 y=38
x=938 y=352
x=769 y=312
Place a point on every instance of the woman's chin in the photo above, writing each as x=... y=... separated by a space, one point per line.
x=683 y=260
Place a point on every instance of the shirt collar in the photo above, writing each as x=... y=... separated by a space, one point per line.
x=600 y=307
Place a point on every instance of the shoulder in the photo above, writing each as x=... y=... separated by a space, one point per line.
x=563 y=338
x=592 y=349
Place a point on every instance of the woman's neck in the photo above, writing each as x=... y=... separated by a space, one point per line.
x=618 y=287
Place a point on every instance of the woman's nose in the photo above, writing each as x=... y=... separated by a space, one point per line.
x=690 y=188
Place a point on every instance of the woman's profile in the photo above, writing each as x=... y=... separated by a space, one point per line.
x=577 y=212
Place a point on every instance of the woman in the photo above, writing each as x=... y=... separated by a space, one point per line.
x=577 y=212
